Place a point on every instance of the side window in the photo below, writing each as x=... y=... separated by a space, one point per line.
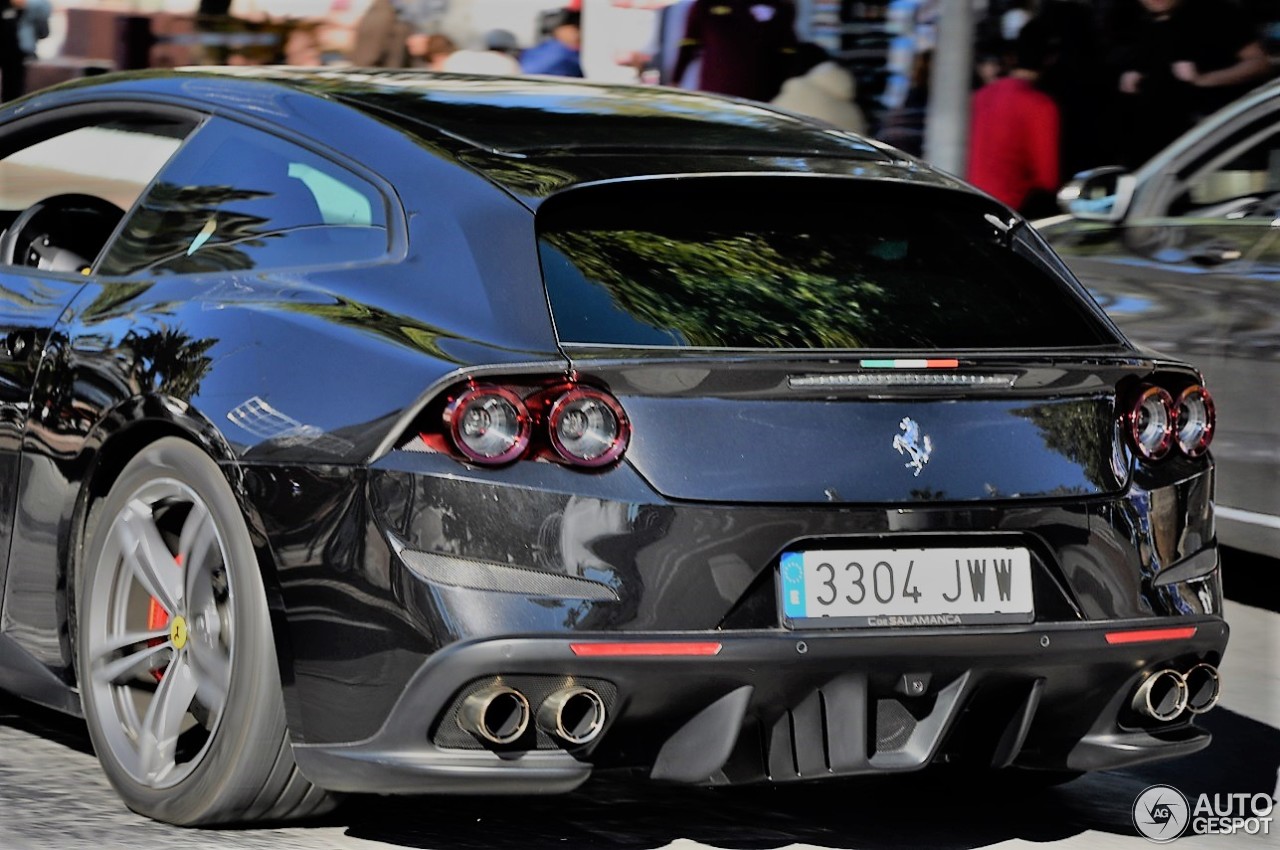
x=63 y=191
x=235 y=199
x=1243 y=183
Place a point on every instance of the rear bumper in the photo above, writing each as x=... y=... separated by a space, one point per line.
x=782 y=706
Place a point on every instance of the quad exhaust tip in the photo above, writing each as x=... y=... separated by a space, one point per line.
x=573 y=716
x=1166 y=694
x=1161 y=696
x=1204 y=687
x=496 y=715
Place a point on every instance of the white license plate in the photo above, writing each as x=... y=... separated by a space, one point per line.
x=906 y=587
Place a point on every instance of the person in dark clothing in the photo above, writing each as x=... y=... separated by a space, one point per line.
x=1075 y=77
x=11 y=59
x=22 y=24
x=1177 y=61
x=903 y=125
x=745 y=45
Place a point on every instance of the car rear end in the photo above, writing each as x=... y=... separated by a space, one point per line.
x=842 y=477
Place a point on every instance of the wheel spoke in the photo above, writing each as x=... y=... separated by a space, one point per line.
x=148 y=557
x=198 y=533
x=158 y=738
x=212 y=669
x=143 y=660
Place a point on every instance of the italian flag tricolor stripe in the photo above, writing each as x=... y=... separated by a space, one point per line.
x=909 y=364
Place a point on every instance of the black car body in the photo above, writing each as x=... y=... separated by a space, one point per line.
x=1184 y=255
x=812 y=350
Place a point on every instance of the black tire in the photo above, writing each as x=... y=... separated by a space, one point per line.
x=202 y=678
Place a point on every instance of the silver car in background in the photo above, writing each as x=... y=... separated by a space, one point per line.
x=1184 y=255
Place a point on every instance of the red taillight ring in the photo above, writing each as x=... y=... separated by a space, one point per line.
x=1201 y=444
x=617 y=446
x=1159 y=436
x=453 y=421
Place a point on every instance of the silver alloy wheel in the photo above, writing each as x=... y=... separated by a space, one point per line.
x=158 y=621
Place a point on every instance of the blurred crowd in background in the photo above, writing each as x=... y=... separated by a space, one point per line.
x=1066 y=86
x=1059 y=85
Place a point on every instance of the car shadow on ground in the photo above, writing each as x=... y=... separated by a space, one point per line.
x=912 y=810
x=51 y=725
x=899 y=811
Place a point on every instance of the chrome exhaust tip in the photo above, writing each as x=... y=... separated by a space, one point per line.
x=1204 y=687
x=1161 y=696
x=495 y=715
x=572 y=715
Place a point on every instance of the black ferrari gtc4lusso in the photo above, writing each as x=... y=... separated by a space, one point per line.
x=400 y=433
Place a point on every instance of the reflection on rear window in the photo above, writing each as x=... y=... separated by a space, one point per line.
x=822 y=272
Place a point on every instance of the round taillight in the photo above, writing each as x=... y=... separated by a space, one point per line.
x=1194 y=420
x=489 y=425
x=1151 y=423
x=588 y=427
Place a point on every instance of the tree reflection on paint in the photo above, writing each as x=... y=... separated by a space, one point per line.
x=168 y=361
x=162 y=231
x=1079 y=431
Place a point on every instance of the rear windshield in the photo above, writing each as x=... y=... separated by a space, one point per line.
x=855 y=266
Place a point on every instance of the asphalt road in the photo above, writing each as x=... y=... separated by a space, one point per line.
x=52 y=794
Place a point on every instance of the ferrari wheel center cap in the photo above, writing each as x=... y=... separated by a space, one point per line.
x=178 y=632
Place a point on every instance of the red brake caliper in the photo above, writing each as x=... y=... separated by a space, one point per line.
x=158 y=618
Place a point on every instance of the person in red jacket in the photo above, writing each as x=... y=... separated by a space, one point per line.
x=1013 y=137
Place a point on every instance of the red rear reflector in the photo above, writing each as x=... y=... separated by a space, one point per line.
x=1146 y=635
x=635 y=649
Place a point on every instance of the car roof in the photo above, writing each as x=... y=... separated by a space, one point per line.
x=537 y=135
x=527 y=115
